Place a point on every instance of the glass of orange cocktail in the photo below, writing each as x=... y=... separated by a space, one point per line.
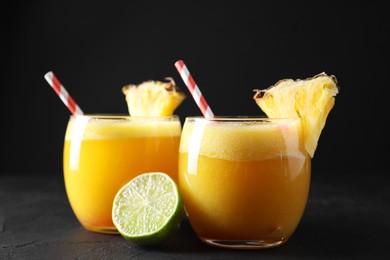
x=103 y=152
x=244 y=180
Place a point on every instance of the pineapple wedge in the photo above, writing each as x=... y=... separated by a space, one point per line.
x=310 y=99
x=153 y=98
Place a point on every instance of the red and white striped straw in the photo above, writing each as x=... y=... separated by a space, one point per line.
x=194 y=89
x=63 y=94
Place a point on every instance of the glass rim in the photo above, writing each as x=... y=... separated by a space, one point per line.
x=238 y=119
x=122 y=116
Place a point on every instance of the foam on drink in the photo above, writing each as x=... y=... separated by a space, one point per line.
x=234 y=142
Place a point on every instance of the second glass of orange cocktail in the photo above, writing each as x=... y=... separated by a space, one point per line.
x=244 y=181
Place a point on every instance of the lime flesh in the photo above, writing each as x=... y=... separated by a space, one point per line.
x=148 y=209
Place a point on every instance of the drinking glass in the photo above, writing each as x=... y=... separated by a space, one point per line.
x=103 y=152
x=244 y=180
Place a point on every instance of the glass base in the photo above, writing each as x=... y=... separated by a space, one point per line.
x=104 y=230
x=244 y=244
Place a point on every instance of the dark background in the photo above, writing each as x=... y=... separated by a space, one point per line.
x=230 y=47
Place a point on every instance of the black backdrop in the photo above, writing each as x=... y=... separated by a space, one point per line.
x=230 y=48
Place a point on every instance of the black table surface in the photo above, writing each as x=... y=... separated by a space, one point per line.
x=347 y=217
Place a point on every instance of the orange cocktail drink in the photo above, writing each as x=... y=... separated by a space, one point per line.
x=244 y=181
x=102 y=153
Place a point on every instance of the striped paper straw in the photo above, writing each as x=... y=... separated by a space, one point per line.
x=63 y=94
x=194 y=89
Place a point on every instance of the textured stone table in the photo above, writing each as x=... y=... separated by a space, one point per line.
x=347 y=217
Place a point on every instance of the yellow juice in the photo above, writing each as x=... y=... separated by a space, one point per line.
x=244 y=183
x=102 y=154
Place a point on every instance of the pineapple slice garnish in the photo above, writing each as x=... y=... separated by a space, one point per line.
x=310 y=99
x=153 y=98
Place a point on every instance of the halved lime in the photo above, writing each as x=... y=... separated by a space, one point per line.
x=148 y=209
